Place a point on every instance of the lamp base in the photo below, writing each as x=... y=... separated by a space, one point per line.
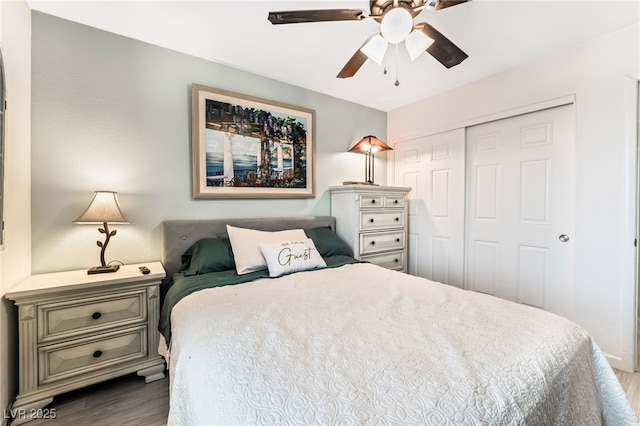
x=103 y=269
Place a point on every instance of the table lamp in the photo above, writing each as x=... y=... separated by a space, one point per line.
x=368 y=146
x=104 y=209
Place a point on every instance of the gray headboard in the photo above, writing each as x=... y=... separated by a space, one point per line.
x=179 y=235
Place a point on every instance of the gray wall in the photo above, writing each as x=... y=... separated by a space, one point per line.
x=113 y=113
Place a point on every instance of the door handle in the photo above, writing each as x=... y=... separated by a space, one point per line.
x=564 y=238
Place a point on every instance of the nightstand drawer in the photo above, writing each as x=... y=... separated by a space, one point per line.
x=381 y=220
x=82 y=356
x=85 y=315
x=374 y=243
x=393 y=260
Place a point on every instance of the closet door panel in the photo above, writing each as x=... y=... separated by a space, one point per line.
x=434 y=167
x=520 y=209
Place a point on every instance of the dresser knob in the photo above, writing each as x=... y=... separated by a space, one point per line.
x=97 y=354
x=373 y=243
x=396 y=260
x=397 y=219
x=96 y=315
x=371 y=220
x=397 y=240
x=396 y=201
x=373 y=201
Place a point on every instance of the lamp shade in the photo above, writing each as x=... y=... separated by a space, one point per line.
x=370 y=144
x=104 y=208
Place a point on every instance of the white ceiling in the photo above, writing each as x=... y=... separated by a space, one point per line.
x=496 y=34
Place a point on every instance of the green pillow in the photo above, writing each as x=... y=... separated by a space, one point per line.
x=327 y=242
x=208 y=255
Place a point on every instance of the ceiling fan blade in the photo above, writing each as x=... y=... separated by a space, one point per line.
x=302 y=16
x=353 y=65
x=443 y=49
x=443 y=4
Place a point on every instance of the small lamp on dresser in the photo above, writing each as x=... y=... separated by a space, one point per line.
x=368 y=146
x=104 y=209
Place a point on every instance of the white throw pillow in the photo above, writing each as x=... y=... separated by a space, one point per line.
x=245 y=244
x=291 y=256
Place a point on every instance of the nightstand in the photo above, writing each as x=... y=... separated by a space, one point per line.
x=372 y=220
x=77 y=329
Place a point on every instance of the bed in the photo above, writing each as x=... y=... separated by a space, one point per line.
x=354 y=343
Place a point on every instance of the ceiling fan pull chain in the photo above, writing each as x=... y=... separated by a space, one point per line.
x=397 y=83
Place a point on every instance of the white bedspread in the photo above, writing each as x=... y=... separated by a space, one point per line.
x=364 y=345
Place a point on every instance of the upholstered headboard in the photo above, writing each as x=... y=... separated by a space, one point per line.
x=179 y=235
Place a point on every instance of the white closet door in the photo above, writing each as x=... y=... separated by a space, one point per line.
x=520 y=209
x=434 y=167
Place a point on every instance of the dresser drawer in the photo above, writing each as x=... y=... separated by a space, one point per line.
x=82 y=356
x=394 y=260
x=384 y=219
x=394 y=201
x=383 y=241
x=371 y=201
x=85 y=315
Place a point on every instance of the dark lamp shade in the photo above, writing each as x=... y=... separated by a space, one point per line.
x=104 y=208
x=370 y=144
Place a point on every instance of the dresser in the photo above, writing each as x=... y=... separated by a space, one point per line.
x=372 y=220
x=76 y=329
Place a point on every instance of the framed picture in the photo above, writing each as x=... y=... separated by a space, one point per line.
x=246 y=147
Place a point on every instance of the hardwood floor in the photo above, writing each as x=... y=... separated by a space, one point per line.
x=129 y=401
x=123 y=401
x=631 y=385
x=631 y=382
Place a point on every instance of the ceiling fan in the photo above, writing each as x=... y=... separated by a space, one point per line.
x=396 y=25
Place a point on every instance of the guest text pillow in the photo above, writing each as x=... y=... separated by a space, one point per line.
x=291 y=256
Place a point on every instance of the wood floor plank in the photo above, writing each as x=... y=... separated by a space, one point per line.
x=123 y=401
x=631 y=385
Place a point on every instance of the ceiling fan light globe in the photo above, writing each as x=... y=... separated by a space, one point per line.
x=396 y=25
x=416 y=43
x=375 y=48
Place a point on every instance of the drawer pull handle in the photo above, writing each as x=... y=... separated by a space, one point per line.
x=97 y=354
x=396 y=260
x=397 y=219
x=373 y=201
x=396 y=201
x=371 y=220
x=397 y=240
x=373 y=243
x=96 y=315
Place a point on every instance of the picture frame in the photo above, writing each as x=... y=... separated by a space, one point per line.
x=248 y=147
